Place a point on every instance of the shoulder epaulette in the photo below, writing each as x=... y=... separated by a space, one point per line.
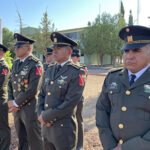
x=74 y=65
x=115 y=70
x=34 y=58
x=51 y=65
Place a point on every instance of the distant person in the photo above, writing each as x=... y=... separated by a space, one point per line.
x=4 y=126
x=123 y=108
x=61 y=91
x=48 y=57
x=79 y=114
x=24 y=85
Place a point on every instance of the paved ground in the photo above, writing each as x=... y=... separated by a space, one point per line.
x=91 y=93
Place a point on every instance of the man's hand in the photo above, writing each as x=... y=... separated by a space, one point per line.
x=12 y=107
x=41 y=120
x=44 y=123
x=118 y=147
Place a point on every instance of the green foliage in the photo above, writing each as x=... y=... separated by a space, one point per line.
x=42 y=36
x=8 y=40
x=122 y=11
x=130 y=18
x=101 y=36
x=8 y=58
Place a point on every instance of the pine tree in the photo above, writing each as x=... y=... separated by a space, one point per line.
x=130 y=18
x=122 y=11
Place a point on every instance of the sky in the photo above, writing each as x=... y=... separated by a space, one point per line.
x=67 y=14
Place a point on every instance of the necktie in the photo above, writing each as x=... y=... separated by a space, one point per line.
x=58 y=69
x=20 y=63
x=133 y=76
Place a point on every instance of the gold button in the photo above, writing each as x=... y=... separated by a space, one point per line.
x=14 y=82
x=120 y=126
x=19 y=89
x=61 y=125
x=60 y=87
x=14 y=91
x=52 y=82
x=110 y=92
x=48 y=93
x=128 y=92
x=55 y=119
x=26 y=101
x=149 y=97
x=124 y=108
x=29 y=104
x=120 y=141
x=46 y=105
x=16 y=75
x=26 y=85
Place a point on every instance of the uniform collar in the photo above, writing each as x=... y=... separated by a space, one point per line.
x=62 y=64
x=138 y=74
x=22 y=60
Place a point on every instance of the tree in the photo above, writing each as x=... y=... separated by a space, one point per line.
x=42 y=37
x=8 y=42
x=130 y=18
x=122 y=11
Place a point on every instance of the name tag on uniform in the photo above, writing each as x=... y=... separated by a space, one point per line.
x=146 y=88
x=113 y=85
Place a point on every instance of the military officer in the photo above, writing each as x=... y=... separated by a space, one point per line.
x=76 y=58
x=123 y=108
x=62 y=89
x=23 y=89
x=4 y=75
x=48 y=57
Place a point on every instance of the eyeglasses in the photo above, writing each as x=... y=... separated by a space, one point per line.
x=19 y=46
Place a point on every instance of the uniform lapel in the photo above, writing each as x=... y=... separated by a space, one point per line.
x=123 y=78
x=63 y=69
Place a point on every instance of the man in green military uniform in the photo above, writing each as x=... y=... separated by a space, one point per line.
x=48 y=57
x=23 y=89
x=61 y=91
x=79 y=114
x=123 y=108
x=4 y=75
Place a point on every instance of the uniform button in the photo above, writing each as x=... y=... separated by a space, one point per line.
x=14 y=82
x=110 y=92
x=16 y=75
x=46 y=105
x=48 y=93
x=128 y=92
x=26 y=101
x=120 y=126
x=26 y=85
x=124 y=108
x=14 y=90
x=19 y=89
x=61 y=125
x=29 y=104
x=52 y=82
x=149 y=97
x=60 y=87
x=120 y=141
x=55 y=119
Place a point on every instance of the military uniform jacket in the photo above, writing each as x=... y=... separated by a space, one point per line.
x=60 y=93
x=25 y=82
x=4 y=76
x=123 y=111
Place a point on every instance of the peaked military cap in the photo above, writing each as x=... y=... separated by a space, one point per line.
x=3 y=48
x=135 y=36
x=49 y=51
x=76 y=53
x=20 y=39
x=60 y=40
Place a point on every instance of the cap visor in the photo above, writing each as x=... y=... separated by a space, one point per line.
x=133 y=46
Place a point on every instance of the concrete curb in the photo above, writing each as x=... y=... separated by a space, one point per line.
x=101 y=74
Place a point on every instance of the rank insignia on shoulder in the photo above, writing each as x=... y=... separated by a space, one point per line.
x=38 y=70
x=81 y=79
x=4 y=72
x=146 y=88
